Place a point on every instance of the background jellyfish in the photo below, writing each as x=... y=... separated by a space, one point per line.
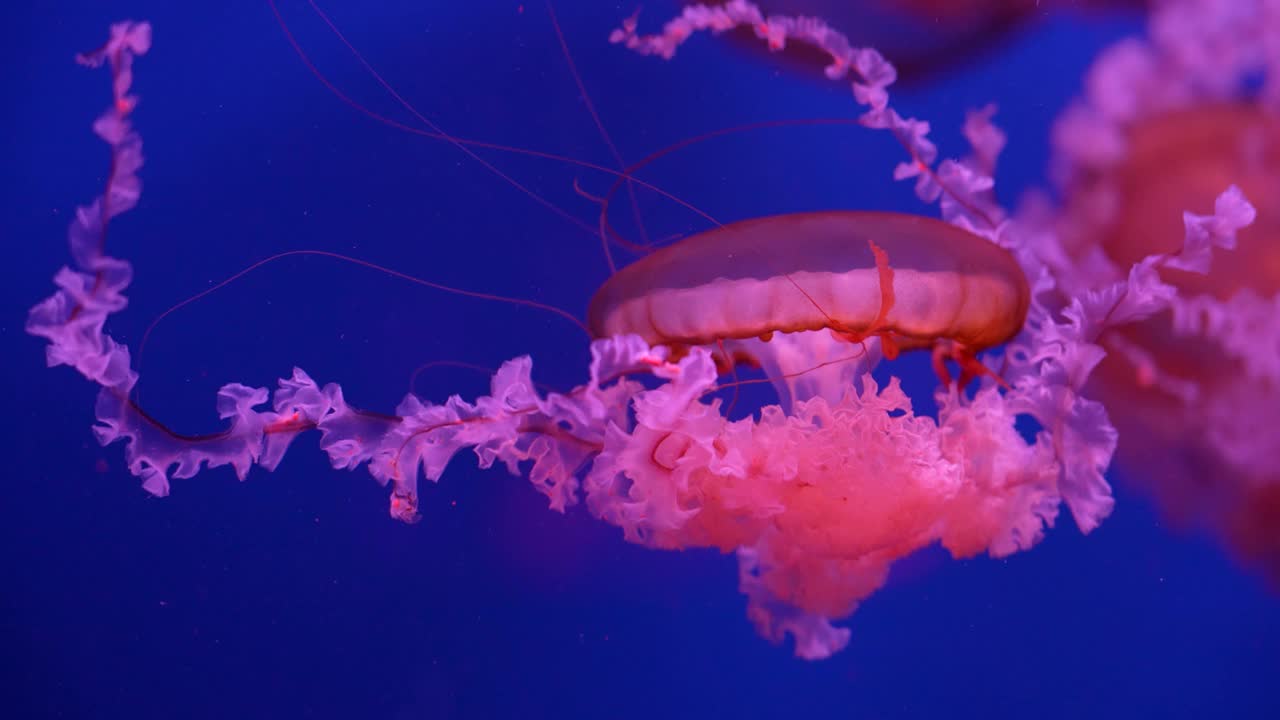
x=922 y=38
x=1195 y=389
x=272 y=503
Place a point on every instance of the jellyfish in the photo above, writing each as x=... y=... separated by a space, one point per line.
x=816 y=496
x=1195 y=390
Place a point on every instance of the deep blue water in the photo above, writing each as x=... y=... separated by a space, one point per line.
x=293 y=594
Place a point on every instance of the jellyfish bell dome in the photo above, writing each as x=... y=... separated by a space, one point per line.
x=818 y=278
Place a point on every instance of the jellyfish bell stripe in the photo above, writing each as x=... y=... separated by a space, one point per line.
x=813 y=271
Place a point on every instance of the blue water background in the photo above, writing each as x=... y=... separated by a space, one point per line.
x=293 y=594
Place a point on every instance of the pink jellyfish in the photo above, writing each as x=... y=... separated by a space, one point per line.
x=816 y=496
x=1195 y=390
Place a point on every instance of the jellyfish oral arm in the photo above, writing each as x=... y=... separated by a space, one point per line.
x=962 y=186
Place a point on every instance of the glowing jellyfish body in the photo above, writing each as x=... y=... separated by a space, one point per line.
x=824 y=500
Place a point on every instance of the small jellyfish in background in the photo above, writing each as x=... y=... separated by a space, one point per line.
x=818 y=495
x=1163 y=123
x=920 y=37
